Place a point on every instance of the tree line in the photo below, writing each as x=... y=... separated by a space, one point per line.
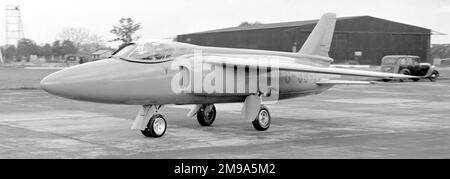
x=27 y=47
x=75 y=41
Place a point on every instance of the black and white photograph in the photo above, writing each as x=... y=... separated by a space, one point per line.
x=225 y=79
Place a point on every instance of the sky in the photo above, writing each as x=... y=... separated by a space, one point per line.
x=43 y=20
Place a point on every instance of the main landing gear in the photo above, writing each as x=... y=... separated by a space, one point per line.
x=206 y=115
x=263 y=120
x=152 y=124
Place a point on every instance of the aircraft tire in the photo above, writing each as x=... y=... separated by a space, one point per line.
x=156 y=127
x=206 y=118
x=263 y=120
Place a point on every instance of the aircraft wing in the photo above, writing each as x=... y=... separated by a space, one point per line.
x=285 y=66
x=343 y=82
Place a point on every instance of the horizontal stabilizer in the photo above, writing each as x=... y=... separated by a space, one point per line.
x=343 y=82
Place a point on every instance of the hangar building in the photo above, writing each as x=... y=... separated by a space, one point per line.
x=359 y=39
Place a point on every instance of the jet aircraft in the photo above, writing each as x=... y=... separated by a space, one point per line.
x=152 y=74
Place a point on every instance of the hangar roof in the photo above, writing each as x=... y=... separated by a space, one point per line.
x=282 y=25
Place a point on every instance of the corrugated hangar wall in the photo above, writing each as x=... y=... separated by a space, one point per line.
x=362 y=39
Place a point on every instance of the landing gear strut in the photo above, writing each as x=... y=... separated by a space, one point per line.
x=149 y=122
x=152 y=124
x=206 y=115
x=263 y=120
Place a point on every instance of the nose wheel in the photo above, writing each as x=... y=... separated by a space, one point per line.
x=156 y=127
x=263 y=120
x=206 y=115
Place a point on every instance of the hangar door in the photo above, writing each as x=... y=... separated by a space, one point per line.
x=339 y=48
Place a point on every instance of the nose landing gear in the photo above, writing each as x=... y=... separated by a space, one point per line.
x=156 y=127
x=149 y=122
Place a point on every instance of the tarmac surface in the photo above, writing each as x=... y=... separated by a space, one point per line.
x=387 y=120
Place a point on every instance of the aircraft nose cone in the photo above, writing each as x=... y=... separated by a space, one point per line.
x=54 y=83
x=57 y=83
x=83 y=82
x=112 y=81
x=46 y=83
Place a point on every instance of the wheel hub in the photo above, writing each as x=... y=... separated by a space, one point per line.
x=208 y=112
x=159 y=126
x=263 y=118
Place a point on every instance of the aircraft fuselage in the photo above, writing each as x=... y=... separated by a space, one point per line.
x=118 y=81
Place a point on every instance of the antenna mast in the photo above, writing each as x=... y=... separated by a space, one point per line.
x=14 y=27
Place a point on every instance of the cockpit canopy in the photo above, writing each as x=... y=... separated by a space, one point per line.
x=150 y=51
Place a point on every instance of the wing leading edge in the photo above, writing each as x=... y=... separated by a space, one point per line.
x=283 y=66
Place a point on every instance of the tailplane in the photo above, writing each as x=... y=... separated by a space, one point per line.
x=319 y=41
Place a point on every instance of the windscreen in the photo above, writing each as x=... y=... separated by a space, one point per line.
x=125 y=51
x=152 y=52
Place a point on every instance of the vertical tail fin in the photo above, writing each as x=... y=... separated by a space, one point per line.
x=319 y=41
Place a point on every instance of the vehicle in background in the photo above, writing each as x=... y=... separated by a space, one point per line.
x=101 y=54
x=76 y=59
x=408 y=65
